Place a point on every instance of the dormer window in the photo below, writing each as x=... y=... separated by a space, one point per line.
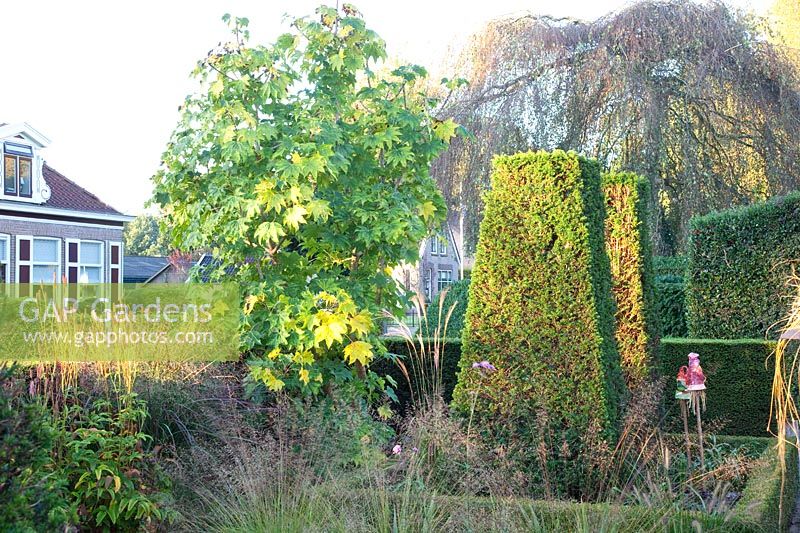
x=17 y=170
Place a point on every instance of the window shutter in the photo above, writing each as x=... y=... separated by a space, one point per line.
x=24 y=250
x=73 y=250
x=116 y=262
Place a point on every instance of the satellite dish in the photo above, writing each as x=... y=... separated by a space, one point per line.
x=45 y=192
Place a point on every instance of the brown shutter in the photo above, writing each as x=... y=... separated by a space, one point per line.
x=116 y=262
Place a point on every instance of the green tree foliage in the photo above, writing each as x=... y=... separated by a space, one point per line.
x=310 y=174
x=143 y=236
x=740 y=263
x=541 y=311
x=688 y=94
x=629 y=251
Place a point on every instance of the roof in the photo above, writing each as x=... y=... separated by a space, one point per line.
x=208 y=268
x=66 y=194
x=139 y=268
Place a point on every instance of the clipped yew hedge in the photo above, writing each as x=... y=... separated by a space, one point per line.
x=738 y=379
x=629 y=251
x=739 y=264
x=541 y=310
x=398 y=346
x=671 y=306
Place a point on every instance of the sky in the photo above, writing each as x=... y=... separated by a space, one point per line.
x=103 y=80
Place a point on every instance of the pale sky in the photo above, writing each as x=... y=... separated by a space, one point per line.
x=104 y=79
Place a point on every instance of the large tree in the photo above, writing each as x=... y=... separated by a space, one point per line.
x=309 y=175
x=143 y=236
x=689 y=95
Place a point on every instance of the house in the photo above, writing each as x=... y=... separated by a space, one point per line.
x=441 y=263
x=145 y=269
x=140 y=269
x=52 y=229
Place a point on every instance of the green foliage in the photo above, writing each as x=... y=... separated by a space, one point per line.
x=739 y=264
x=673 y=266
x=100 y=455
x=671 y=306
x=670 y=272
x=30 y=498
x=739 y=380
x=85 y=467
x=457 y=295
x=310 y=174
x=768 y=490
x=450 y=356
x=629 y=251
x=143 y=236
x=541 y=311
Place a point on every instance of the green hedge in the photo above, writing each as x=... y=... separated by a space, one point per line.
x=760 y=504
x=739 y=384
x=541 y=310
x=398 y=346
x=670 y=265
x=671 y=306
x=630 y=254
x=739 y=261
x=458 y=295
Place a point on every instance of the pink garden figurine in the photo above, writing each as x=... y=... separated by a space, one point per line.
x=695 y=381
x=680 y=386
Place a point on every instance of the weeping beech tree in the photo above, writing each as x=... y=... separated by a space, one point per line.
x=689 y=95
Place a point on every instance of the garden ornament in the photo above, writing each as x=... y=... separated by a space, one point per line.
x=696 y=380
x=690 y=392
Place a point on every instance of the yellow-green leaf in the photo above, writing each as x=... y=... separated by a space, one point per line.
x=427 y=210
x=358 y=351
x=303 y=375
x=361 y=323
x=295 y=216
x=303 y=357
x=331 y=329
x=445 y=130
x=385 y=412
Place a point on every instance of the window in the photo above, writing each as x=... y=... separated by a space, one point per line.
x=445 y=278
x=84 y=262
x=38 y=259
x=428 y=276
x=5 y=256
x=438 y=245
x=18 y=170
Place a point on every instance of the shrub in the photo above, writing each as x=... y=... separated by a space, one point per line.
x=739 y=383
x=629 y=251
x=458 y=295
x=767 y=491
x=671 y=306
x=541 y=310
x=670 y=265
x=739 y=263
x=111 y=479
x=29 y=496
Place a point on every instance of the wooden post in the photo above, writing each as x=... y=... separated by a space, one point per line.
x=685 y=415
x=696 y=401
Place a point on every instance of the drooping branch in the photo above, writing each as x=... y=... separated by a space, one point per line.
x=688 y=95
